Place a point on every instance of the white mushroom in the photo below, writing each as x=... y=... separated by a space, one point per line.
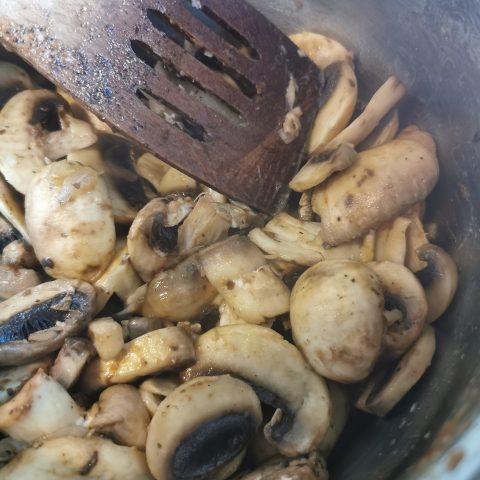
x=180 y=294
x=19 y=254
x=41 y=409
x=341 y=86
x=75 y=353
x=137 y=326
x=107 y=337
x=77 y=458
x=119 y=278
x=391 y=241
x=405 y=294
x=379 y=105
x=164 y=178
x=13 y=378
x=155 y=389
x=12 y=210
x=159 y=351
x=292 y=240
x=70 y=222
x=14 y=279
x=382 y=184
x=152 y=238
x=121 y=415
x=386 y=130
x=241 y=274
x=321 y=166
x=337 y=322
x=36 y=127
x=440 y=279
x=202 y=428
x=280 y=377
x=387 y=387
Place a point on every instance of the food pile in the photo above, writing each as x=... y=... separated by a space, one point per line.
x=150 y=327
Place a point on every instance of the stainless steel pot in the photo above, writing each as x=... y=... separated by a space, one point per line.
x=434 y=47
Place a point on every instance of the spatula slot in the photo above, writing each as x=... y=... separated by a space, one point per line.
x=196 y=91
x=221 y=28
x=172 y=115
x=166 y=26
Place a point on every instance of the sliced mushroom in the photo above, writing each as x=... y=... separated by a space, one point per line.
x=241 y=274
x=312 y=467
x=14 y=279
x=207 y=223
x=11 y=209
x=37 y=321
x=36 y=127
x=367 y=251
x=164 y=178
x=70 y=222
x=180 y=294
x=386 y=388
x=440 y=279
x=41 y=409
x=280 y=377
x=340 y=411
x=383 y=183
x=75 y=353
x=416 y=238
x=341 y=85
x=8 y=234
x=155 y=389
x=391 y=241
x=386 y=130
x=137 y=326
x=152 y=239
x=228 y=316
x=77 y=458
x=121 y=415
x=20 y=254
x=13 y=378
x=404 y=293
x=337 y=322
x=320 y=167
x=384 y=99
x=13 y=80
x=107 y=337
x=292 y=240
x=162 y=350
x=119 y=278
x=201 y=428
x=305 y=211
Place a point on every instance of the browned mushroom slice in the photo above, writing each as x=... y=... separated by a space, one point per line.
x=337 y=321
x=73 y=457
x=247 y=283
x=405 y=294
x=357 y=200
x=279 y=375
x=311 y=467
x=180 y=294
x=121 y=415
x=13 y=378
x=41 y=409
x=202 y=428
x=440 y=279
x=387 y=387
x=159 y=351
x=70 y=361
x=37 y=321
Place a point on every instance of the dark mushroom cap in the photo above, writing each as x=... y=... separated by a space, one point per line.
x=201 y=427
x=36 y=321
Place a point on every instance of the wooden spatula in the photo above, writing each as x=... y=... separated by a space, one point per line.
x=204 y=84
